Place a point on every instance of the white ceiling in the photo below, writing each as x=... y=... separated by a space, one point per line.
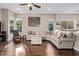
x=46 y=8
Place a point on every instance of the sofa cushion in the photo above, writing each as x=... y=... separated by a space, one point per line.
x=31 y=32
x=54 y=38
x=67 y=39
x=70 y=35
x=42 y=33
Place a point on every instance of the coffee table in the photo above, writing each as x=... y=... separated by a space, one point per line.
x=36 y=40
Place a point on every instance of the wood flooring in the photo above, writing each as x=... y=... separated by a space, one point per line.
x=26 y=49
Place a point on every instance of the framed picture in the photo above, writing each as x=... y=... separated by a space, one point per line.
x=34 y=21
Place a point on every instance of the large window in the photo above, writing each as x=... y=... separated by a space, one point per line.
x=67 y=25
x=19 y=25
x=11 y=25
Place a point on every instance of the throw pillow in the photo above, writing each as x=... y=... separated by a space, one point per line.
x=64 y=35
x=55 y=32
x=70 y=35
x=59 y=34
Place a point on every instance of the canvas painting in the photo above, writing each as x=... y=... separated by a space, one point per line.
x=34 y=21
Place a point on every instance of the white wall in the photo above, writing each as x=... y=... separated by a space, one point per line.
x=77 y=21
x=4 y=19
x=44 y=19
x=5 y=16
x=0 y=15
x=1 y=19
x=11 y=16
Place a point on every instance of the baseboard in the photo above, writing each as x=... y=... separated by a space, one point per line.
x=76 y=49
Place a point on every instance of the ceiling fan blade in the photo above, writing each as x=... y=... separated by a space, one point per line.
x=24 y=4
x=30 y=8
x=36 y=5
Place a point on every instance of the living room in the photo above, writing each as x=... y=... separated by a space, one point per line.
x=41 y=27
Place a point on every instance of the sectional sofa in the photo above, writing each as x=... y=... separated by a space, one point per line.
x=62 y=39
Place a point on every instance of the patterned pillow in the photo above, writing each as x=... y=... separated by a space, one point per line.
x=64 y=35
x=59 y=34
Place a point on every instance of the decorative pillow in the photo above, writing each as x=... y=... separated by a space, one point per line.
x=31 y=33
x=55 y=32
x=28 y=32
x=59 y=34
x=64 y=35
x=48 y=33
x=42 y=33
x=70 y=35
x=37 y=32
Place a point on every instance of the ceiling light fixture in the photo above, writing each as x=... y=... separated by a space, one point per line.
x=30 y=5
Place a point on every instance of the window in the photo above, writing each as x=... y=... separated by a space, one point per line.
x=50 y=26
x=70 y=25
x=67 y=25
x=19 y=25
x=11 y=25
x=63 y=25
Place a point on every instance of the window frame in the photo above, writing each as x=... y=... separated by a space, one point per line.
x=20 y=29
x=68 y=25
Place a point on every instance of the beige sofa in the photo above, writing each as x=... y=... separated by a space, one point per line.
x=63 y=41
x=58 y=39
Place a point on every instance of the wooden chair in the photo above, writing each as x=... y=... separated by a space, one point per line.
x=16 y=36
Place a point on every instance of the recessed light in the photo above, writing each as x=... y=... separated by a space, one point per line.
x=49 y=9
x=18 y=9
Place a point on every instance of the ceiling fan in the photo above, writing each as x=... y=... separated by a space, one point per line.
x=30 y=5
